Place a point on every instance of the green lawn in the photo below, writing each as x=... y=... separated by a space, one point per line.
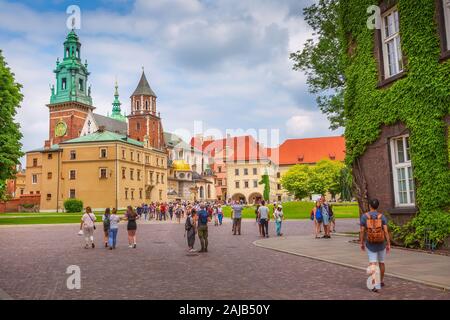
x=301 y=210
x=292 y=210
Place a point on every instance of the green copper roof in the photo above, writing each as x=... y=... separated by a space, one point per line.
x=71 y=75
x=104 y=136
x=143 y=87
x=116 y=115
x=54 y=147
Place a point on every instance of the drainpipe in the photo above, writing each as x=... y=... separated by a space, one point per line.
x=117 y=172
x=57 y=185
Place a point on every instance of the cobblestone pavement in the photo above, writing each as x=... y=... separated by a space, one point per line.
x=34 y=259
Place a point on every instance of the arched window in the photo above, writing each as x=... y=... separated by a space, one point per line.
x=201 y=192
x=67 y=52
x=146 y=105
x=137 y=105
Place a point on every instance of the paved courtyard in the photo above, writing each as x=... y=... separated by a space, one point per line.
x=34 y=261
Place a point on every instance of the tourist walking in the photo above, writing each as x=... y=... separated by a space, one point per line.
x=146 y=211
x=202 y=229
x=114 y=220
x=278 y=217
x=216 y=216
x=171 y=211
x=190 y=230
x=131 y=217
x=374 y=235
x=88 y=227
x=105 y=219
x=258 y=222
x=220 y=213
x=317 y=213
x=263 y=215
x=237 y=218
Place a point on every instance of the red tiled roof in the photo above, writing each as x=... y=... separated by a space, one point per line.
x=310 y=150
x=243 y=148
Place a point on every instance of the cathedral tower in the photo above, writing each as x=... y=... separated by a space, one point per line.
x=70 y=101
x=144 y=123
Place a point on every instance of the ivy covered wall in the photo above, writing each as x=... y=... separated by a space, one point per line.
x=420 y=100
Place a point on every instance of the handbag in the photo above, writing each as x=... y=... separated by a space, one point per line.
x=92 y=220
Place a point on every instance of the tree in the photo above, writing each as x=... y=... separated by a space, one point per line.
x=266 y=182
x=10 y=146
x=297 y=181
x=346 y=184
x=325 y=177
x=321 y=60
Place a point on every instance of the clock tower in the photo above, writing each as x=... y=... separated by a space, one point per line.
x=70 y=101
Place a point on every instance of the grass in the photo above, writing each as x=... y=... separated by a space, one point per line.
x=300 y=210
x=292 y=210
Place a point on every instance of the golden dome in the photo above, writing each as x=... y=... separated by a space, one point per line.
x=181 y=165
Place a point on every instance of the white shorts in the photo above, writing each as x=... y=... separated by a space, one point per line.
x=377 y=256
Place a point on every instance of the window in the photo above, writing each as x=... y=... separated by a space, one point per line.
x=219 y=182
x=34 y=179
x=390 y=35
x=139 y=157
x=124 y=170
x=131 y=174
x=445 y=21
x=237 y=184
x=80 y=85
x=140 y=193
x=49 y=156
x=49 y=196
x=402 y=172
x=72 y=194
x=73 y=155
x=137 y=105
x=63 y=84
x=219 y=169
x=162 y=177
x=157 y=177
x=123 y=154
x=245 y=184
x=146 y=105
x=147 y=159
x=38 y=192
x=126 y=193
x=31 y=192
x=22 y=191
x=132 y=155
x=139 y=175
x=255 y=171
x=236 y=172
x=132 y=194
x=103 y=173
x=245 y=172
x=278 y=175
x=103 y=153
x=279 y=186
x=72 y=175
x=255 y=183
x=35 y=162
x=49 y=175
x=138 y=126
x=160 y=195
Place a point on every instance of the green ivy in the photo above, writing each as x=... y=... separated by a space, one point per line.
x=420 y=100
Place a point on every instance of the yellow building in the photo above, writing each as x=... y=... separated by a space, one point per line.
x=103 y=169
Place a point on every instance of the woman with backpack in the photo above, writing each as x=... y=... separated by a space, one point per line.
x=190 y=230
x=318 y=218
x=106 y=221
x=131 y=217
x=88 y=227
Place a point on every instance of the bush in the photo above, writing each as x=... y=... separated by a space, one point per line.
x=73 y=205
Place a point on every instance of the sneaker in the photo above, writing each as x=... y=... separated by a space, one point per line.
x=134 y=246
x=93 y=246
x=110 y=248
x=130 y=246
x=206 y=250
x=106 y=244
x=86 y=247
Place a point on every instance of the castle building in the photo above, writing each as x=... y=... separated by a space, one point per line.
x=103 y=161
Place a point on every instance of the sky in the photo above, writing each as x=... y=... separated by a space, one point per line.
x=214 y=64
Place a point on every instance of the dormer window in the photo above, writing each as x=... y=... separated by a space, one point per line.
x=300 y=158
x=332 y=156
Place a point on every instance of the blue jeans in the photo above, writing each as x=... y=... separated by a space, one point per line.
x=220 y=218
x=113 y=237
x=278 y=227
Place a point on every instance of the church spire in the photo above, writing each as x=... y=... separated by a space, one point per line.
x=116 y=112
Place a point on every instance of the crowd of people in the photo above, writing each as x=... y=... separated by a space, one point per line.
x=374 y=235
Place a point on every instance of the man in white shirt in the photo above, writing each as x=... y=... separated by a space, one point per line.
x=263 y=215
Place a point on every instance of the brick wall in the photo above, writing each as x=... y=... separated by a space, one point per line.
x=13 y=205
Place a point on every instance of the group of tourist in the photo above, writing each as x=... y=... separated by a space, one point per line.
x=374 y=235
x=322 y=215
x=111 y=221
